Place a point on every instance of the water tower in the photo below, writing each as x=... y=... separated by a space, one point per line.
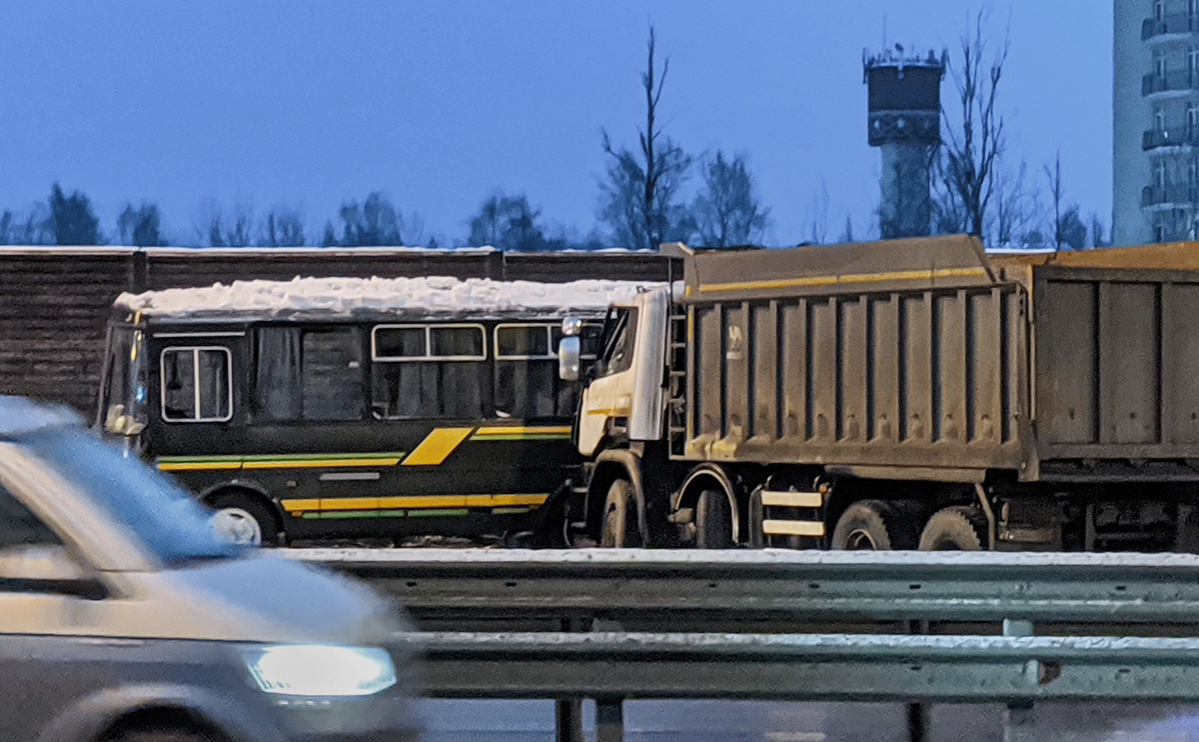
x=904 y=104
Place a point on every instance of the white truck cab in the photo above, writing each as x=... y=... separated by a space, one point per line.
x=626 y=395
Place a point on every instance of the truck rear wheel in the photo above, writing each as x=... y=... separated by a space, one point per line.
x=955 y=528
x=620 y=527
x=875 y=525
x=713 y=521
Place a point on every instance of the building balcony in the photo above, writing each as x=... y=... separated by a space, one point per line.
x=1160 y=198
x=1179 y=137
x=1177 y=24
x=1180 y=82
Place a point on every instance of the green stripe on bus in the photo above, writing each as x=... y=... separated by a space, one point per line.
x=341 y=514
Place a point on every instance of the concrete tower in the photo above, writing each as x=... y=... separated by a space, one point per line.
x=904 y=104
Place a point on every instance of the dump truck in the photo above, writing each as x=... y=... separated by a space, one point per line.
x=904 y=394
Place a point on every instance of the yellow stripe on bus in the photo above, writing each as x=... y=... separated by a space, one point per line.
x=320 y=463
x=523 y=430
x=437 y=446
x=411 y=501
x=778 y=283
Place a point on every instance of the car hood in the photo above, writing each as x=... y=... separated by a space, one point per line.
x=264 y=598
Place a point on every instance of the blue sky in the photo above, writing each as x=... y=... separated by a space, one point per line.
x=303 y=104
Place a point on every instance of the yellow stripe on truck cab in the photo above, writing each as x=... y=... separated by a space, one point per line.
x=437 y=446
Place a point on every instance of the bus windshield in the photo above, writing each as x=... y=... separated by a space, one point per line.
x=123 y=394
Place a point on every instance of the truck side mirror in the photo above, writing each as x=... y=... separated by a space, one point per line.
x=568 y=358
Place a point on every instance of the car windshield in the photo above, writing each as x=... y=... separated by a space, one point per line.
x=161 y=514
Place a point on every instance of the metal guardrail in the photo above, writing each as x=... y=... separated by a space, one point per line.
x=915 y=628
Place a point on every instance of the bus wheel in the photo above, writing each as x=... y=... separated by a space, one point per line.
x=244 y=519
x=955 y=528
x=875 y=525
x=620 y=528
x=713 y=521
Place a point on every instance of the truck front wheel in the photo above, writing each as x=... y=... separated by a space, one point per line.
x=620 y=527
x=713 y=521
x=875 y=525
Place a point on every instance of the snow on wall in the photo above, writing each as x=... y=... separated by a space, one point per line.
x=345 y=295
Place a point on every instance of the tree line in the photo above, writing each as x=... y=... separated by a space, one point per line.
x=651 y=193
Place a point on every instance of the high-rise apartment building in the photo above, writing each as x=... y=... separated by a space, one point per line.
x=1155 y=142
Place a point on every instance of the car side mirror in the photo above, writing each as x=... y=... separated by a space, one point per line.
x=48 y=568
x=568 y=358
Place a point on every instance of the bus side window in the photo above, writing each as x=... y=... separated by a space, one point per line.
x=196 y=384
x=430 y=371
x=308 y=374
x=526 y=372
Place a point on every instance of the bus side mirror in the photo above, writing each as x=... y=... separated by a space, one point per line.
x=568 y=358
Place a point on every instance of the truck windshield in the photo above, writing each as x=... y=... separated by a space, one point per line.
x=167 y=520
x=123 y=394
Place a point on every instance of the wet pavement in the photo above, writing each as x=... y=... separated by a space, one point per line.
x=751 y=721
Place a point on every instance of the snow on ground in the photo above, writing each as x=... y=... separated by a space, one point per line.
x=897 y=559
x=345 y=295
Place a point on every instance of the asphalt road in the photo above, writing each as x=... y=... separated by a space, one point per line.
x=749 y=721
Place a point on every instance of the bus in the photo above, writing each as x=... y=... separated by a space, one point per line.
x=343 y=409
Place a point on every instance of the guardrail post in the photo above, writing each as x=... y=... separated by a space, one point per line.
x=568 y=712
x=917 y=713
x=609 y=720
x=1018 y=723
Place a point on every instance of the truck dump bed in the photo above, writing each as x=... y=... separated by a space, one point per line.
x=925 y=359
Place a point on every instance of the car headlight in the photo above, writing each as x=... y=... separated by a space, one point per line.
x=321 y=670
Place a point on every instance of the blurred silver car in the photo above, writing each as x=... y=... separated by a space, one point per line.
x=124 y=617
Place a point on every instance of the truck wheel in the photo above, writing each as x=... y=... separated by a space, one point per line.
x=955 y=528
x=244 y=519
x=875 y=525
x=757 y=516
x=713 y=521
x=620 y=527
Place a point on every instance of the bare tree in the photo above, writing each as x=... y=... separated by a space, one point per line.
x=1057 y=192
x=726 y=210
x=509 y=223
x=847 y=230
x=817 y=229
x=1099 y=233
x=282 y=228
x=966 y=167
x=141 y=226
x=641 y=188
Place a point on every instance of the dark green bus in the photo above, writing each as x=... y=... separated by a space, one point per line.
x=354 y=408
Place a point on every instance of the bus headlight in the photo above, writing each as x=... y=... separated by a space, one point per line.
x=321 y=670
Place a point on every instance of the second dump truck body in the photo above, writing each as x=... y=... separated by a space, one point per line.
x=913 y=392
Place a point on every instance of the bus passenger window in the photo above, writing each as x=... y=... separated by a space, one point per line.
x=430 y=371
x=308 y=374
x=196 y=385
x=526 y=373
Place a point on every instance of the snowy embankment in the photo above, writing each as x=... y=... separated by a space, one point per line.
x=747 y=556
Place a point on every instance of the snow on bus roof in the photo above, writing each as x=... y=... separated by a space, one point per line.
x=352 y=295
